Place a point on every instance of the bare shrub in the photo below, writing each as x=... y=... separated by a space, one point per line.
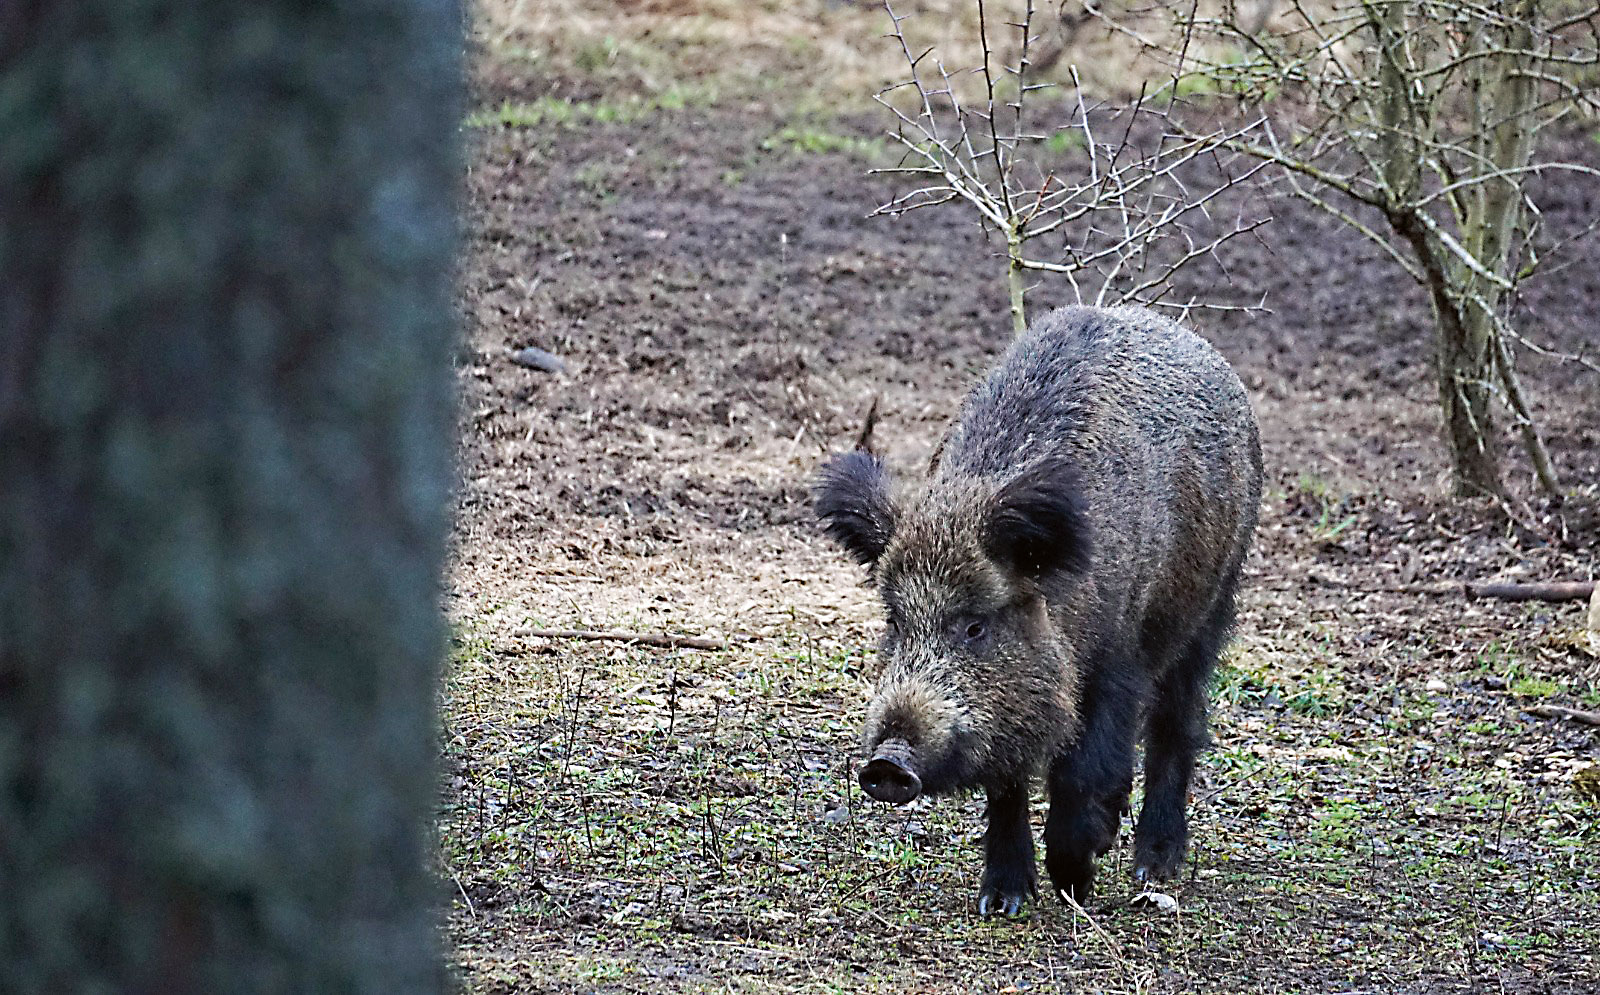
x=989 y=138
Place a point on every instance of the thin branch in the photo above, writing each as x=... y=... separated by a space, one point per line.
x=664 y=640
x=1560 y=590
x=1562 y=712
x=1110 y=218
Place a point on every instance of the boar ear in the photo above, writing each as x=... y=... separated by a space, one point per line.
x=1036 y=522
x=851 y=498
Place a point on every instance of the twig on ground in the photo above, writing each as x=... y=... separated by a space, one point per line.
x=462 y=888
x=662 y=639
x=1561 y=590
x=864 y=437
x=1218 y=792
x=1550 y=591
x=1113 y=948
x=1563 y=712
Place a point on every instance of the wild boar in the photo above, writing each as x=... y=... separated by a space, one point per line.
x=1061 y=583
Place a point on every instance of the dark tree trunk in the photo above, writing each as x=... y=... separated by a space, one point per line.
x=1464 y=367
x=226 y=233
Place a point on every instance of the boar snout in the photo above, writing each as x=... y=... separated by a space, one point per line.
x=888 y=776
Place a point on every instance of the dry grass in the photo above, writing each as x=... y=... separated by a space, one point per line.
x=819 y=49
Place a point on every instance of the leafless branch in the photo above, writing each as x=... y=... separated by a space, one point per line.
x=1106 y=211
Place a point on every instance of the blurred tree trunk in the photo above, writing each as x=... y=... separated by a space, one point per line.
x=226 y=235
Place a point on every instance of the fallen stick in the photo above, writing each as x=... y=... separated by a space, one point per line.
x=1575 y=590
x=1563 y=712
x=1564 y=590
x=864 y=437
x=663 y=639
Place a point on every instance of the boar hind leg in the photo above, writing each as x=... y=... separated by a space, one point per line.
x=1090 y=782
x=1174 y=735
x=1009 y=879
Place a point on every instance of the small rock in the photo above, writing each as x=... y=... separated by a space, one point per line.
x=538 y=359
x=1155 y=900
x=1436 y=686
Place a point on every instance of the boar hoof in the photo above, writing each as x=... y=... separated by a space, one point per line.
x=1159 y=861
x=891 y=782
x=1073 y=880
x=1005 y=898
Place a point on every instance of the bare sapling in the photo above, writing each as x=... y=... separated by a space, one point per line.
x=1117 y=220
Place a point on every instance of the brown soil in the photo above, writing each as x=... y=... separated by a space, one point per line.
x=639 y=820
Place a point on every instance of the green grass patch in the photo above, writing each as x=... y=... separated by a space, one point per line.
x=1329 y=512
x=555 y=112
x=1312 y=691
x=1535 y=687
x=1064 y=141
x=815 y=139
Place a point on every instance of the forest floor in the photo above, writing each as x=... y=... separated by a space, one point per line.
x=1380 y=813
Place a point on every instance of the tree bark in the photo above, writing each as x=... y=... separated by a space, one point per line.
x=1464 y=398
x=226 y=233
x=1464 y=366
x=1463 y=356
x=1014 y=280
x=1505 y=102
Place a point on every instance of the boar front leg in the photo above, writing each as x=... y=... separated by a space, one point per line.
x=1175 y=734
x=1009 y=878
x=1090 y=782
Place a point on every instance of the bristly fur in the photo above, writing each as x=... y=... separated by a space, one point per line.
x=1112 y=427
x=1037 y=524
x=851 y=497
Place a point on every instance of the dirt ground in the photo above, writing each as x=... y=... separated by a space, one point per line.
x=1379 y=812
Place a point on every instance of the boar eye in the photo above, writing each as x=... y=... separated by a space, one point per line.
x=970 y=630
